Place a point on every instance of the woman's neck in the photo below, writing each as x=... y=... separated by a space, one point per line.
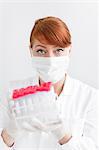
x=58 y=87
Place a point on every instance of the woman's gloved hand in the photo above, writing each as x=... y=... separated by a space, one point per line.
x=49 y=115
x=62 y=134
x=47 y=112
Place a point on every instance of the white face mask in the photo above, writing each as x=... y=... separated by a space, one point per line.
x=51 y=69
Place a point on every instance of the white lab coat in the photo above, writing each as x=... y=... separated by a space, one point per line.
x=77 y=104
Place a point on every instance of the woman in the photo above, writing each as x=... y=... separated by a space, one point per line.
x=68 y=120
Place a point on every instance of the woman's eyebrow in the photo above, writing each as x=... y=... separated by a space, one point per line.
x=40 y=46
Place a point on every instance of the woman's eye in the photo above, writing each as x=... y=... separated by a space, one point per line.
x=40 y=51
x=59 y=50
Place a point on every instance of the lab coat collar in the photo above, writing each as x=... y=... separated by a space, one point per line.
x=68 y=85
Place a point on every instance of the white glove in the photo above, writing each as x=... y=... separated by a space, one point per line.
x=49 y=114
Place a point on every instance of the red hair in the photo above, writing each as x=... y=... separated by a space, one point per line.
x=52 y=31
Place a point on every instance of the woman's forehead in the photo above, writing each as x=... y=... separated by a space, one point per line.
x=37 y=43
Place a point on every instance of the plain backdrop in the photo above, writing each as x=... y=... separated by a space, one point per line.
x=16 y=22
